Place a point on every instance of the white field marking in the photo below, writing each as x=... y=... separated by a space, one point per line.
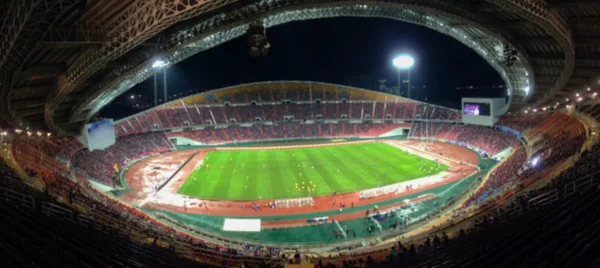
x=166 y=195
x=291 y=146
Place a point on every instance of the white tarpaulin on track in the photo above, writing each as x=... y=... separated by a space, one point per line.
x=241 y=225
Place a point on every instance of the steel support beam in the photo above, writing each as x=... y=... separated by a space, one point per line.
x=138 y=23
x=588 y=61
x=205 y=35
x=546 y=77
x=594 y=41
x=547 y=56
x=24 y=22
x=30 y=111
x=553 y=25
x=554 y=4
x=22 y=104
x=80 y=34
x=591 y=71
x=540 y=41
x=591 y=22
x=27 y=92
x=41 y=72
x=518 y=24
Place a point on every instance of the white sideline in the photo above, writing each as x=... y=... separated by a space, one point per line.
x=291 y=146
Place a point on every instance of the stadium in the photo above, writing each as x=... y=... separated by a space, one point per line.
x=295 y=173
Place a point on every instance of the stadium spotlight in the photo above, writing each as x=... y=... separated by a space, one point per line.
x=403 y=62
x=159 y=64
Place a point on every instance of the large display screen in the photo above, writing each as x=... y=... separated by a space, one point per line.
x=100 y=135
x=470 y=108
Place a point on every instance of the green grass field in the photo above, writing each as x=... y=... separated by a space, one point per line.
x=291 y=173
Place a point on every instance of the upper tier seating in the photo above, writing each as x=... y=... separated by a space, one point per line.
x=180 y=117
x=521 y=123
x=284 y=131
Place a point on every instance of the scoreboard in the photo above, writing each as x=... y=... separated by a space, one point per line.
x=482 y=111
x=98 y=135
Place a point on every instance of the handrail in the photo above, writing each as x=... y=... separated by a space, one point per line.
x=581 y=183
x=543 y=199
x=53 y=209
x=16 y=197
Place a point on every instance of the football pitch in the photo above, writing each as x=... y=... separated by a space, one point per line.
x=292 y=173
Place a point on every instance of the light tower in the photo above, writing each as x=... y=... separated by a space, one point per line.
x=404 y=62
x=382 y=86
x=160 y=64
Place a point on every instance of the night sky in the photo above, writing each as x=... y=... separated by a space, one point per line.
x=347 y=51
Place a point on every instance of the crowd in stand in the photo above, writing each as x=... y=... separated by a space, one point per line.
x=127 y=226
x=284 y=131
x=555 y=235
x=490 y=140
x=521 y=122
x=102 y=232
x=61 y=148
x=117 y=232
x=35 y=161
x=99 y=165
x=502 y=177
x=561 y=138
x=587 y=165
x=187 y=116
x=561 y=234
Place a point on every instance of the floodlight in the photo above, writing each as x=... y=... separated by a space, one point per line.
x=159 y=64
x=404 y=62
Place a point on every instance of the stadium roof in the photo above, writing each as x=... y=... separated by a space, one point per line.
x=61 y=61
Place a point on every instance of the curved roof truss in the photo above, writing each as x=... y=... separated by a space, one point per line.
x=211 y=32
